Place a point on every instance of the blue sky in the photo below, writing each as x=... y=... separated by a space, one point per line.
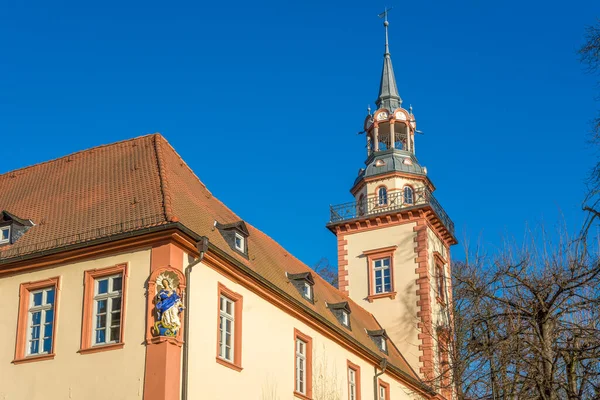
x=264 y=101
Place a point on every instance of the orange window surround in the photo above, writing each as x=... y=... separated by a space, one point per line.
x=372 y=256
x=89 y=278
x=24 y=294
x=356 y=369
x=308 y=351
x=238 y=302
x=386 y=390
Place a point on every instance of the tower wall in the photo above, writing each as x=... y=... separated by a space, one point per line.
x=397 y=315
x=412 y=312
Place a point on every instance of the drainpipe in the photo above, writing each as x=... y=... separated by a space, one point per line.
x=383 y=365
x=202 y=246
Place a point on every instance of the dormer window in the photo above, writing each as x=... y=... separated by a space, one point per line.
x=304 y=284
x=5 y=234
x=341 y=312
x=236 y=235
x=240 y=242
x=380 y=338
x=12 y=227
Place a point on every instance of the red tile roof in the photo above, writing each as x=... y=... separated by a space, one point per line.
x=141 y=183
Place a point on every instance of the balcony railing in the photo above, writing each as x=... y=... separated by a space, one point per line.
x=394 y=201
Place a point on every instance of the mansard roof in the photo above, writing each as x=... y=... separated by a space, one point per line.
x=142 y=183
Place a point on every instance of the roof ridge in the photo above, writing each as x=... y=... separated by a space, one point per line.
x=80 y=152
x=162 y=175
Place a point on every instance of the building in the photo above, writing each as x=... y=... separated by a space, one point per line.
x=123 y=277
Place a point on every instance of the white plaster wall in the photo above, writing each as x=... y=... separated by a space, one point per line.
x=267 y=351
x=398 y=316
x=114 y=374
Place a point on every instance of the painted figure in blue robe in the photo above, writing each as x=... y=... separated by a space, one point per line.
x=168 y=307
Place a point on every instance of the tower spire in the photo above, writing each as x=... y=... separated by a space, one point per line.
x=388 y=91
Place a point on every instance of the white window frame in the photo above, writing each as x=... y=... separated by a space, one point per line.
x=382 y=391
x=345 y=318
x=307 y=291
x=352 y=383
x=110 y=311
x=383 y=344
x=43 y=308
x=301 y=359
x=242 y=240
x=2 y=230
x=382 y=200
x=223 y=317
x=408 y=189
x=381 y=268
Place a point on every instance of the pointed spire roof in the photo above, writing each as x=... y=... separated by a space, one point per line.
x=388 y=91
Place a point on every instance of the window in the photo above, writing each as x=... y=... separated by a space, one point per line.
x=229 y=333
x=300 y=366
x=353 y=381
x=345 y=318
x=104 y=303
x=226 y=321
x=36 y=323
x=383 y=345
x=307 y=291
x=240 y=242
x=441 y=282
x=5 y=234
x=409 y=197
x=440 y=277
x=341 y=311
x=303 y=282
x=384 y=390
x=40 y=321
x=303 y=364
x=382 y=199
x=382 y=276
x=108 y=297
x=379 y=337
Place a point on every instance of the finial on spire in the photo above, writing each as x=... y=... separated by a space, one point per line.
x=384 y=15
x=389 y=97
x=369 y=109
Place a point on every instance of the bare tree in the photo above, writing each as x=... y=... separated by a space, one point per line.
x=527 y=322
x=590 y=56
x=327 y=271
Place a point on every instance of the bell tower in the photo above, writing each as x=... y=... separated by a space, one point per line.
x=394 y=239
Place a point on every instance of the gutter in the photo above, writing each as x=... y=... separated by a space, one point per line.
x=383 y=365
x=202 y=246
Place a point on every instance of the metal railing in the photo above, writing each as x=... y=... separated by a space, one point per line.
x=374 y=205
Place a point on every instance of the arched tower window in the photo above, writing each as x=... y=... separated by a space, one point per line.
x=382 y=196
x=409 y=196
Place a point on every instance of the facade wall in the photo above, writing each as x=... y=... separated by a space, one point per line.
x=113 y=374
x=268 y=351
x=397 y=316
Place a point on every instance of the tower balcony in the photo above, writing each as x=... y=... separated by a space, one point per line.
x=394 y=202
